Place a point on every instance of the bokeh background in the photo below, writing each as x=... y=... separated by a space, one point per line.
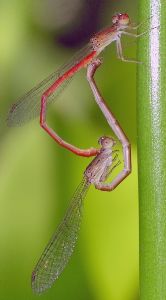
x=38 y=178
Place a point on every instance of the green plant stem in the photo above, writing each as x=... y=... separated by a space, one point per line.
x=151 y=119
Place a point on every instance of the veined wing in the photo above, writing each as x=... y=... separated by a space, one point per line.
x=28 y=106
x=60 y=248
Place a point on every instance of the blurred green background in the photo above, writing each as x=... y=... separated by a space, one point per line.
x=37 y=178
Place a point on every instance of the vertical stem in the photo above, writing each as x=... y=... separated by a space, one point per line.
x=151 y=117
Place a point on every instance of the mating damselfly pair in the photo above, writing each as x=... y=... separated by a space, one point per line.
x=34 y=103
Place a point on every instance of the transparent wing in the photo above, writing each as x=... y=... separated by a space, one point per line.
x=28 y=106
x=60 y=248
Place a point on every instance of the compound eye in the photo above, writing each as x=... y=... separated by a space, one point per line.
x=100 y=141
x=106 y=142
x=115 y=19
x=124 y=19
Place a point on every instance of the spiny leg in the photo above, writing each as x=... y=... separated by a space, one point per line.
x=115 y=157
x=120 y=54
x=109 y=171
x=113 y=123
x=81 y=152
x=136 y=26
x=134 y=35
x=103 y=178
x=114 y=167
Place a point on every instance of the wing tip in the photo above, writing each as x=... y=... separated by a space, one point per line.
x=38 y=285
x=10 y=120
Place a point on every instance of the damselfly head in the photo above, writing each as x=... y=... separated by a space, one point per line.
x=106 y=142
x=121 y=19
